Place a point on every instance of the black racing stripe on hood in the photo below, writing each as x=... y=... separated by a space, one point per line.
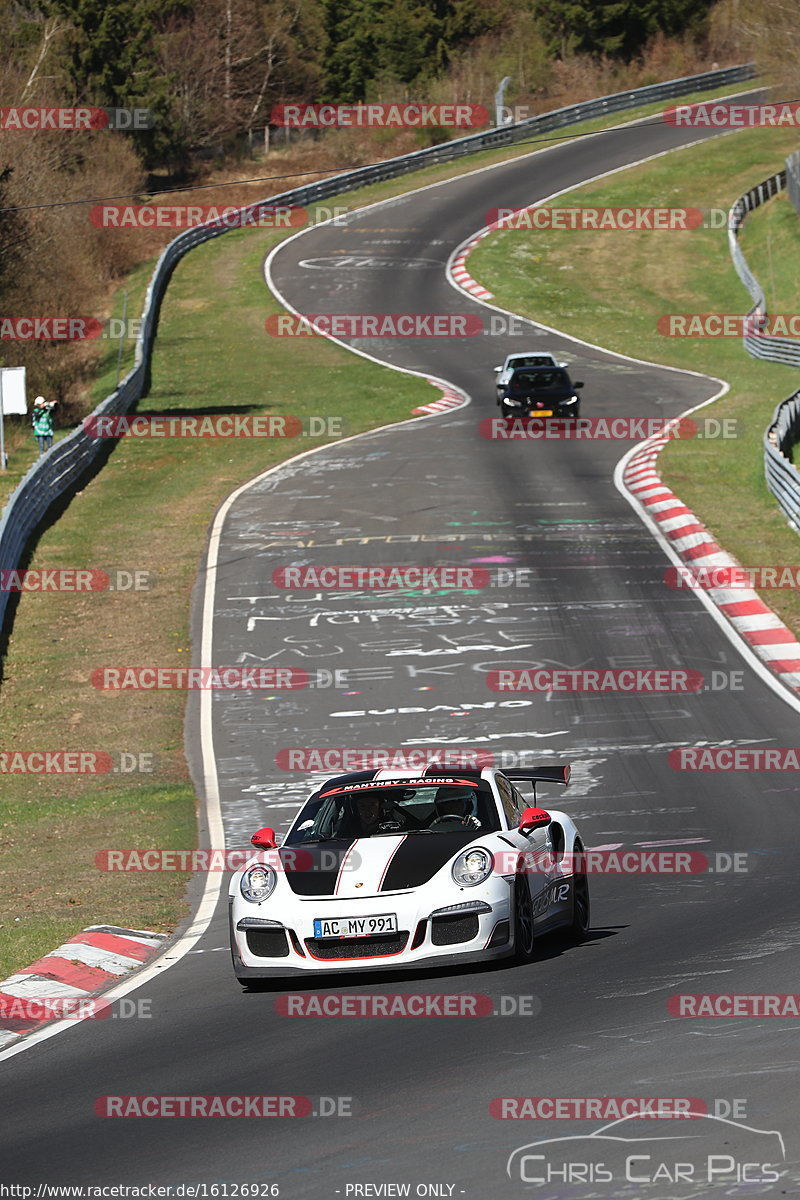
x=421 y=855
x=313 y=870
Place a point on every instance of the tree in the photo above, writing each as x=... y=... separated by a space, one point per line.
x=618 y=28
x=407 y=41
x=14 y=233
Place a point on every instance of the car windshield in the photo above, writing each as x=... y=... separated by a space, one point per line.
x=540 y=380
x=391 y=808
x=530 y=360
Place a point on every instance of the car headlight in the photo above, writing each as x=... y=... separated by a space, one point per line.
x=472 y=867
x=258 y=883
x=572 y=400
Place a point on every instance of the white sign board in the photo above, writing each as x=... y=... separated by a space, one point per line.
x=12 y=391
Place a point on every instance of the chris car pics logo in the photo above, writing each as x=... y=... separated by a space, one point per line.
x=714 y=1151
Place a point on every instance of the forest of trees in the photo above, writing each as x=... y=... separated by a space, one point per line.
x=210 y=71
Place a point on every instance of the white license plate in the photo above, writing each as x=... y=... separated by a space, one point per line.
x=338 y=927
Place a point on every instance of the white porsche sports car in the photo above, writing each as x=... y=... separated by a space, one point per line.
x=387 y=869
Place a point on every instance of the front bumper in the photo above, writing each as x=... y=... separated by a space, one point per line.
x=559 y=410
x=267 y=946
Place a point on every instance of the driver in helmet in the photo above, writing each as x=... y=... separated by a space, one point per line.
x=454 y=807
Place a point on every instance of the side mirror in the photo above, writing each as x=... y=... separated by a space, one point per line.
x=534 y=818
x=497 y=369
x=264 y=839
x=578 y=383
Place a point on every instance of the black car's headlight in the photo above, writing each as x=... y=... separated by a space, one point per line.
x=258 y=883
x=573 y=399
x=472 y=867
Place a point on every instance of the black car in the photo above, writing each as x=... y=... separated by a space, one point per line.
x=540 y=392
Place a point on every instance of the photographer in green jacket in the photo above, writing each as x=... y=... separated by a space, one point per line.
x=42 y=417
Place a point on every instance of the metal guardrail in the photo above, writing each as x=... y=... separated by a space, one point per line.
x=781 y=475
x=63 y=465
x=783 y=433
x=770 y=349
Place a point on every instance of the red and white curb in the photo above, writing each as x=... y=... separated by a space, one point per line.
x=460 y=273
x=81 y=967
x=449 y=399
x=754 y=622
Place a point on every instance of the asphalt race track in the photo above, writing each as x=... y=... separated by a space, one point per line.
x=584 y=587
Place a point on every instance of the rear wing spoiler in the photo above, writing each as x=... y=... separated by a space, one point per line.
x=558 y=774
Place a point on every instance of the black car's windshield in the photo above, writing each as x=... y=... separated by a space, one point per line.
x=383 y=809
x=543 y=380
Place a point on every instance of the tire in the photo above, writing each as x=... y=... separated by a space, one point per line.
x=524 y=939
x=579 y=926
